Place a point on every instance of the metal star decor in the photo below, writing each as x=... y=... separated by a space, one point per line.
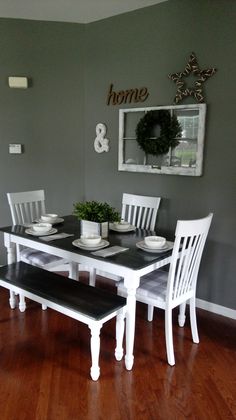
x=197 y=90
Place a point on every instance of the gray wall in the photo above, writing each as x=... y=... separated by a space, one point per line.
x=72 y=67
x=48 y=117
x=140 y=49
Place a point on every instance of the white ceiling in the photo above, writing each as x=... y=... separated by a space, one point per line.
x=80 y=11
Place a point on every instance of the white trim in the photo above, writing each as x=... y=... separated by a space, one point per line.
x=217 y=309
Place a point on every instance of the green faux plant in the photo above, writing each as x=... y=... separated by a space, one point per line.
x=95 y=211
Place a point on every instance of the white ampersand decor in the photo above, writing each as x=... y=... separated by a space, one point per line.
x=101 y=144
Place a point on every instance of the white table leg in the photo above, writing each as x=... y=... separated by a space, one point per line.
x=95 y=350
x=120 y=326
x=11 y=258
x=130 y=320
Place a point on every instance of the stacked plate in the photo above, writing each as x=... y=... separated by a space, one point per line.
x=90 y=247
x=41 y=229
x=50 y=218
x=122 y=227
x=155 y=244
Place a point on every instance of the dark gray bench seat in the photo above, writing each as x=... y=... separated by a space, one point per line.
x=87 y=304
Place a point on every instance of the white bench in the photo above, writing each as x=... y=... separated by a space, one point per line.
x=87 y=304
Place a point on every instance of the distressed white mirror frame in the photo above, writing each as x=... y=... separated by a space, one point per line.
x=173 y=163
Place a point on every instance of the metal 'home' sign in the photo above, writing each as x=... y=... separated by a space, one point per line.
x=126 y=96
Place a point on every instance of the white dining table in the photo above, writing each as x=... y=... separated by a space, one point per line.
x=131 y=264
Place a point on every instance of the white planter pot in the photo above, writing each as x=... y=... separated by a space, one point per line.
x=94 y=228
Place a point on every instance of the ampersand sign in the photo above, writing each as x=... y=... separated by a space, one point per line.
x=101 y=144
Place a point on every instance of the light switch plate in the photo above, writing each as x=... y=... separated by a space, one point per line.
x=18 y=82
x=15 y=148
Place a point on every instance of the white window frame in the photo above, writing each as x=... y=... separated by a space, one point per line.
x=169 y=170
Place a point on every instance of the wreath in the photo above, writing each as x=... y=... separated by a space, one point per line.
x=170 y=131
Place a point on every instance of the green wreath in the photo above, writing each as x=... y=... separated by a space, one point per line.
x=170 y=131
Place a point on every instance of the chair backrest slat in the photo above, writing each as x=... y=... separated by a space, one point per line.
x=140 y=211
x=190 y=238
x=26 y=206
x=143 y=218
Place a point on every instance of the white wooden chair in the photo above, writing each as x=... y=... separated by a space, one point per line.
x=138 y=210
x=168 y=290
x=26 y=207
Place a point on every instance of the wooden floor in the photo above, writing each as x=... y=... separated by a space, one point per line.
x=45 y=362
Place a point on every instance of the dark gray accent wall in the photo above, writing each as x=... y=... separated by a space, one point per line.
x=47 y=118
x=140 y=49
x=72 y=66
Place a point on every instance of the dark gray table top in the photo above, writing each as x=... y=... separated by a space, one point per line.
x=134 y=258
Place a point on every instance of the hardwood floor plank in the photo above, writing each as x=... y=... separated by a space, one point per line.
x=45 y=362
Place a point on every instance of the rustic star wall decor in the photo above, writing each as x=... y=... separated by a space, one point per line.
x=196 y=91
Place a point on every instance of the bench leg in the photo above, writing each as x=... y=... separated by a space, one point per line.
x=95 y=350
x=120 y=326
x=22 y=304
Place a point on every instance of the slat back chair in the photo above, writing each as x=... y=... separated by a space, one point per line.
x=140 y=211
x=26 y=207
x=167 y=290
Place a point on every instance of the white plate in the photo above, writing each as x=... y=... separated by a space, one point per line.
x=79 y=244
x=144 y=247
x=32 y=232
x=131 y=228
x=56 y=221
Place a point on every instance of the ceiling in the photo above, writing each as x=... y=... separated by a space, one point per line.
x=80 y=11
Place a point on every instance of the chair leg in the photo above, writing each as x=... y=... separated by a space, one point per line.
x=92 y=277
x=150 y=312
x=73 y=270
x=120 y=327
x=12 y=300
x=169 y=337
x=193 y=320
x=182 y=317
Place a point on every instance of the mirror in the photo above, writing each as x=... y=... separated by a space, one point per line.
x=184 y=159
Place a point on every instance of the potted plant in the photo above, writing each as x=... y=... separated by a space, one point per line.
x=94 y=217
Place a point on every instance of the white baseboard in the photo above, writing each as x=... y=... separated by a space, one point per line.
x=216 y=309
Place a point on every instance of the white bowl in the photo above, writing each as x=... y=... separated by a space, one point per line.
x=155 y=241
x=42 y=227
x=123 y=225
x=90 y=240
x=49 y=217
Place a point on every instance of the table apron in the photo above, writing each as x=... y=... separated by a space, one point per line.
x=103 y=265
